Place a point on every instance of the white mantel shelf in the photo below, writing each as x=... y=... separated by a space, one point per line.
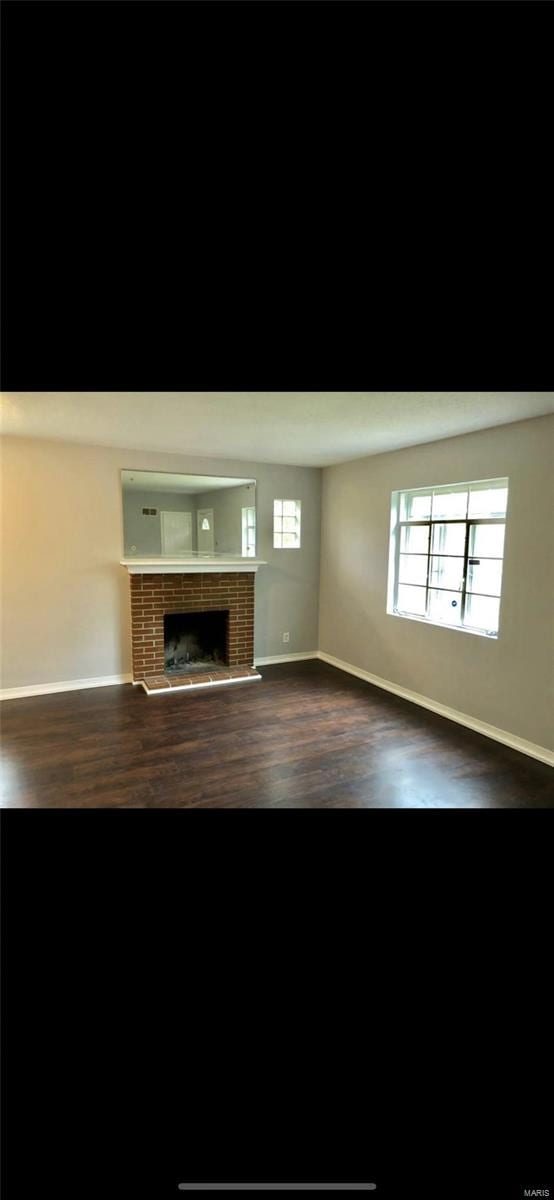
x=188 y=565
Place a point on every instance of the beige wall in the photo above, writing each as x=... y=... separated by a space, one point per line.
x=65 y=598
x=506 y=682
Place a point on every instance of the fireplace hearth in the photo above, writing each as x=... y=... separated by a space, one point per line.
x=195 y=641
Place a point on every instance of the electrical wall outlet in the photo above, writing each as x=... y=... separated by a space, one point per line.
x=286 y=637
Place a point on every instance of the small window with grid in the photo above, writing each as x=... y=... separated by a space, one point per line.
x=286 y=524
x=446 y=554
x=248 y=532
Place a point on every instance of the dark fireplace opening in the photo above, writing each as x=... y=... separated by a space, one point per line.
x=194 y=641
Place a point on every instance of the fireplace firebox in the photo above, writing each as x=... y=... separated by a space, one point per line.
x=195 y=641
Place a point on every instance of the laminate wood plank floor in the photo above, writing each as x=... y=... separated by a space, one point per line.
x=307 y=736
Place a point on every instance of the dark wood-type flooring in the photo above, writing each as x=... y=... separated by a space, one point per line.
x=307 y=736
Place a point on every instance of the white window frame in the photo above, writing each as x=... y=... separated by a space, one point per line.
x=249 y=531
x=397 y=524
x=279 y=517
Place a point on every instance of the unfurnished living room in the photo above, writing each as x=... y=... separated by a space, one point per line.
x=277 y=599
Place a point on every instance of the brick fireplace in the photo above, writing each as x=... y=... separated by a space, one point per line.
x=169 y=590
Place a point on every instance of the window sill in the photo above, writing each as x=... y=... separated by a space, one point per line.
x=491 y=637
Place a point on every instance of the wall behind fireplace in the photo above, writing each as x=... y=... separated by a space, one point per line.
x=65 y=598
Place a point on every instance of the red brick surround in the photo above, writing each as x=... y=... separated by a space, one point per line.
x=154 y=595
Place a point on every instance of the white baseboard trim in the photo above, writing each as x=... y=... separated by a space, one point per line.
x=490 y=731
x=65 y=685
x=75 y=685
x=285 y=658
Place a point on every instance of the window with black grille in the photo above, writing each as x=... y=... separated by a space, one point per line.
x=446 y=554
